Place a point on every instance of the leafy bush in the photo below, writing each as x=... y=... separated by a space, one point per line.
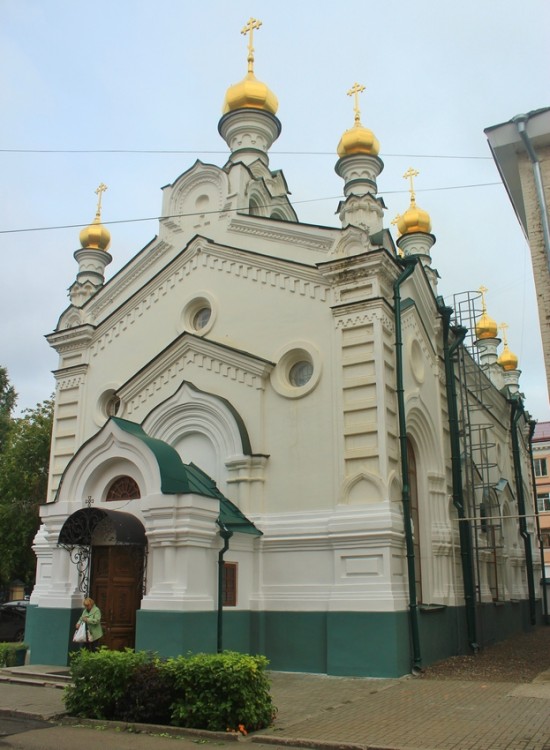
x=220 y=692
x=148 y=695
x=8 y=655
x=100 y=680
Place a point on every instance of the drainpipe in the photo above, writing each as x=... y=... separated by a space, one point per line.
x=520 y=123
x=516 y=413
x=465 y=534
x=532 y=425
x=226 y=535
x=410 y=265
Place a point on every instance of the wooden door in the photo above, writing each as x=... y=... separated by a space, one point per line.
x=116 y=587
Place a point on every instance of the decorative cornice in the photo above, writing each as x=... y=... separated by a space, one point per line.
x=70 y=377
x=116 y=287
x=70 y=339
x=366 y=311
x=289 y=235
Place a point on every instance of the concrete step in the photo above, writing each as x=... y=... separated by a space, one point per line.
x=37 y=676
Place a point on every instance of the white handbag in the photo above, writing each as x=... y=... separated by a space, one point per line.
x=80 y=634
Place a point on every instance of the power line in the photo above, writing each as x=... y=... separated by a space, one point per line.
x=238 y=209
x=207 y=151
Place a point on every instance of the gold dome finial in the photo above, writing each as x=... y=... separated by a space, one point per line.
x=414 y=219
x=507 y=360
x=250 y=93
x=486 y=327
x=96 y=236
x=358 y=139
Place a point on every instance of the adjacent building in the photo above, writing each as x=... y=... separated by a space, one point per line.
x=541 y=461
x=521 y=150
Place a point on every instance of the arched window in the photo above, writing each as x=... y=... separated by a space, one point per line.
x=123 y=488
x=415 y=518
x=254 y=207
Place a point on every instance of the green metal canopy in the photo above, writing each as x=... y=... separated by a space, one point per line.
x=179 y=478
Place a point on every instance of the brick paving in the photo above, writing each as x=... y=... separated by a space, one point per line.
x=401 y=714
x=410 y=713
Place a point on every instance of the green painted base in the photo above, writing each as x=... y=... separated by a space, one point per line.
x=49 y=634
x=362 y=644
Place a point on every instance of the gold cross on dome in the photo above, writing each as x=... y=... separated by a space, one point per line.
x=248 y=28
x=504 y=327
x=410 y=174
x=354 y=91
x=99 y=192
x=483 y=291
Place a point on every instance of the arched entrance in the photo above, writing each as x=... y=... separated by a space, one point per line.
x=109 y=549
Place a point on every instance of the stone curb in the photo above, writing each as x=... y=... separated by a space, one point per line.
x=134 y=727
x=321 y=745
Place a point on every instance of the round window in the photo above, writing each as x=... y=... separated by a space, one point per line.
x=300 y=373
x=201 y=318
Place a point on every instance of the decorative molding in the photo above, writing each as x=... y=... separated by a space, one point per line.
x=71 y=339
x=286 y=236
x=194 y=351
x=356 y=315
x=115 y=288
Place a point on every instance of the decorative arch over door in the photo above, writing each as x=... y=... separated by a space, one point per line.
x=109 y=549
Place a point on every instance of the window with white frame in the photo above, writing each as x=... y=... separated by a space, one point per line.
x=543 y=502
x=541 y=468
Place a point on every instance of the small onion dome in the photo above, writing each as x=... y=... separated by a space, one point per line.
x=508 y=360
x=414 y=219
x=358 y=140
x=486 y=327
x=95 y=236
x=250 y=94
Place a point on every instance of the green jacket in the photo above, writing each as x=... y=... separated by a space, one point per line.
x=93 y=621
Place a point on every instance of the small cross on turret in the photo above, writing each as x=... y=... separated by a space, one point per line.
x=99 y=192
x=410 y=174
x=249 y=27
x=354 y=91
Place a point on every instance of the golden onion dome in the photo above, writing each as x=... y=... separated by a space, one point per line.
x=508 y=360
x=358 y=140
x=414 y=219
x=95 y=236
x=250 y=94
x=486 y=327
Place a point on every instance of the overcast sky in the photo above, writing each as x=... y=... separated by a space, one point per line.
x=151 y=76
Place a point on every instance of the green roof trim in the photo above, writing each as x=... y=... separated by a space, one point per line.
x=178 y=478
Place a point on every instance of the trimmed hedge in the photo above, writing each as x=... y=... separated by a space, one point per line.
x=218 y=692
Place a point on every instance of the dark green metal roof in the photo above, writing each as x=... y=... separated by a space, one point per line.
x=179 y=478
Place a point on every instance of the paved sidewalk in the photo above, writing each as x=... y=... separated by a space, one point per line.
x=404 y=714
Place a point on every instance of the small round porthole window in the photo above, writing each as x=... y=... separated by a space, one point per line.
x=201 y=318
x=198 y=314
x=300 y=373
x=108 y=405
x=297 y=371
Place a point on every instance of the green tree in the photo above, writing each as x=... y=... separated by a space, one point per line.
x=8 y=397
x=23 y=483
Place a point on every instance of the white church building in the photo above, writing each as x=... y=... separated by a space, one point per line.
x=275 y=437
